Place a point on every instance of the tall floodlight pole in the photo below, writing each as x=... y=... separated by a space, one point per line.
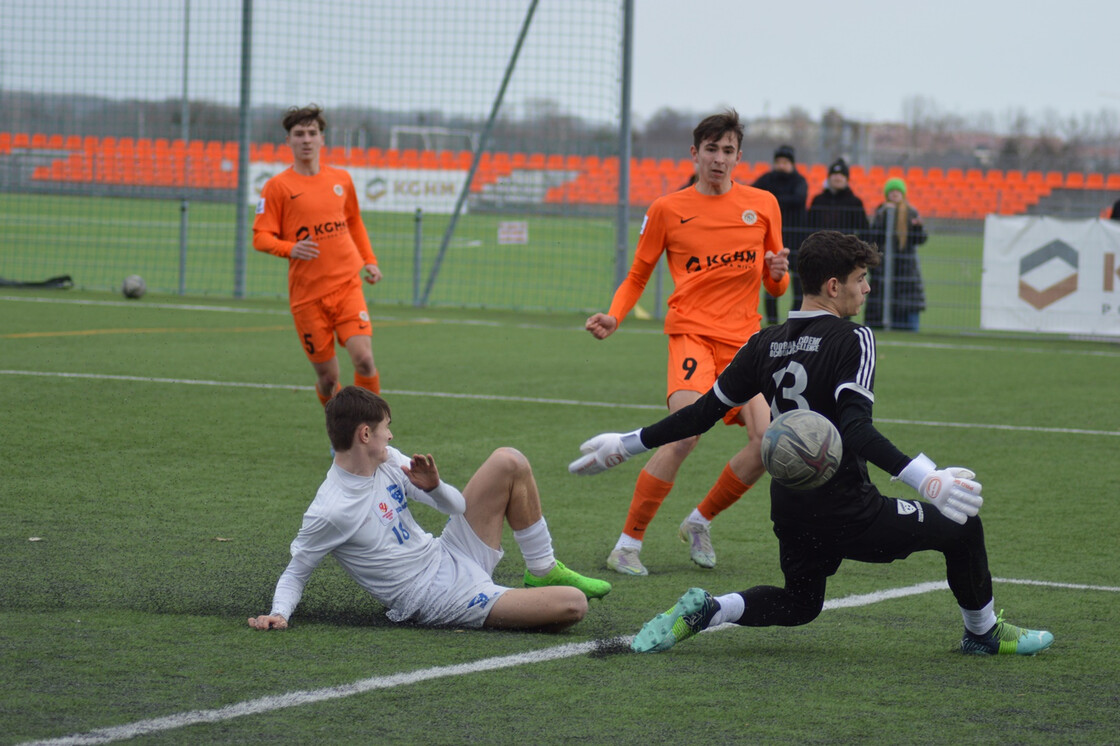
x=240 y=245
x=622 y=227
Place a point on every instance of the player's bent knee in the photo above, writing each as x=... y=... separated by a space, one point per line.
x=509 y=459
x=573 y=608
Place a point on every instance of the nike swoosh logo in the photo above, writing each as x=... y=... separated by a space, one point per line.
x=685 y=220
x=293 y=196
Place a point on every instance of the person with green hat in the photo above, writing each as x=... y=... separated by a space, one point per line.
x=906 y=233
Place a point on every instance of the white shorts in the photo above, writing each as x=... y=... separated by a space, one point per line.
x=463 y=591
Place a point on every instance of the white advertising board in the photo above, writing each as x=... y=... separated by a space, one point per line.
x=1045 y=274
x=385 y=189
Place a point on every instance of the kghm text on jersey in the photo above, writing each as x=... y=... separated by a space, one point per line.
x=718 y=260
x=802 y=344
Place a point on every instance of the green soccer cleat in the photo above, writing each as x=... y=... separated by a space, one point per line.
x=691 y=614
x=560 y=575
x=699 y=540
x=1006 y=639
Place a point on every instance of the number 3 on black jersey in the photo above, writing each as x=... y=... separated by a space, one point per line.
x=793 y=392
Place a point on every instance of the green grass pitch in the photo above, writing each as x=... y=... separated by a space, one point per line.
x=162 y=454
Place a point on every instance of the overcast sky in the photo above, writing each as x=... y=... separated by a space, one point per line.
x=865 y=57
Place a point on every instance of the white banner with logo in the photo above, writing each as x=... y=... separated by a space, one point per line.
x=1045 y=274
x=385 y=189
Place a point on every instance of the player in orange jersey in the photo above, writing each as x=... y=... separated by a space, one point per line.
x=723 y=241
x=309 y=215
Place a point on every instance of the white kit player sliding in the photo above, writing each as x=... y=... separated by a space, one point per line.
x=822 y=361
x=361 y=515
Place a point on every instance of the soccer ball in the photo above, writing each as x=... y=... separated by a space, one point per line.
x=801 y=449
x=134 y=286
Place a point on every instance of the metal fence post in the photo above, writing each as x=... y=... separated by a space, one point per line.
x=417 y=245
x=888 y=264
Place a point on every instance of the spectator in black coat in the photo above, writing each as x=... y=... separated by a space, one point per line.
x=1115 y=214
x=908 y=297
x=791 y=191
x=837 y=208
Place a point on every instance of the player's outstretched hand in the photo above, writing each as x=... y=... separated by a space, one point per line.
x=422 y=472
x=601 y=325
x=606 y=450
x=953 y=491
x=268 y=621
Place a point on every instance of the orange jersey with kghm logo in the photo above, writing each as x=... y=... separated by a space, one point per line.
x=324 y=208
x=715 y=246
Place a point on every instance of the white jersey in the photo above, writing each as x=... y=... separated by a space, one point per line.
x=365 y=522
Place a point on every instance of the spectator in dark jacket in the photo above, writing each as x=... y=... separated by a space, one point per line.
x=1115 y=214
x=791 y=191
x=837 y=208
x=904 y=228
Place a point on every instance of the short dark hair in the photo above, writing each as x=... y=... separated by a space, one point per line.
x=304 y=115
x=351 y=408
x=827 y=254
x=718 y=125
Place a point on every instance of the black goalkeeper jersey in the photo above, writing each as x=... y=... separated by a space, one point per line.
x=815 y=361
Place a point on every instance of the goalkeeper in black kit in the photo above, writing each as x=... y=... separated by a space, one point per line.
x=822 y=361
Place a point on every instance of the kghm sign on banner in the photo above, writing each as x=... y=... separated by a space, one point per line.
x=1045 y=274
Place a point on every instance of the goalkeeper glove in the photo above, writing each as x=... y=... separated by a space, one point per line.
x=606 y=450
x=952 y=491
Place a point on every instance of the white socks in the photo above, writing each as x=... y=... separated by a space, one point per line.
x=731 y=608
x=536 y=547
x=981 y=620
x=695 y=517
x=625 y=542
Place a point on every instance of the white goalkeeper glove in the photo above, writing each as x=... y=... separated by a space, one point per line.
x=953 y=491
x=606 y=450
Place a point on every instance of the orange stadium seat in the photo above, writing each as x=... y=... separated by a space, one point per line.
x=1075 y=180
x=1094 y=181
x=21 y=140
x=1113 y=181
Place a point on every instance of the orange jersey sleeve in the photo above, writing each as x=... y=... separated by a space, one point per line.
x=715 y=247
x=323 y=208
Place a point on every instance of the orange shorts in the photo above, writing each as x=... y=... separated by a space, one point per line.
x=341 y=313
x=694 y=364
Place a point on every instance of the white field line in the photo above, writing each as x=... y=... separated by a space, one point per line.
x=500 y=324
x=526 y=399
x=295 y=699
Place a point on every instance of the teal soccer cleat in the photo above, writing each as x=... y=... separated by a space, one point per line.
x=1006 y=639
x=691 y=614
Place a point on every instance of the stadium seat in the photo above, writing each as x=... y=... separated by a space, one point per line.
x=1075 y=180
x=1113 y=181
x=1094 y=181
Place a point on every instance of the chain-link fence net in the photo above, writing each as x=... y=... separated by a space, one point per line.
x=121 y=129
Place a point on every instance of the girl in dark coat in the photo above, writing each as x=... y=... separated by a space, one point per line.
x=908 y=297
